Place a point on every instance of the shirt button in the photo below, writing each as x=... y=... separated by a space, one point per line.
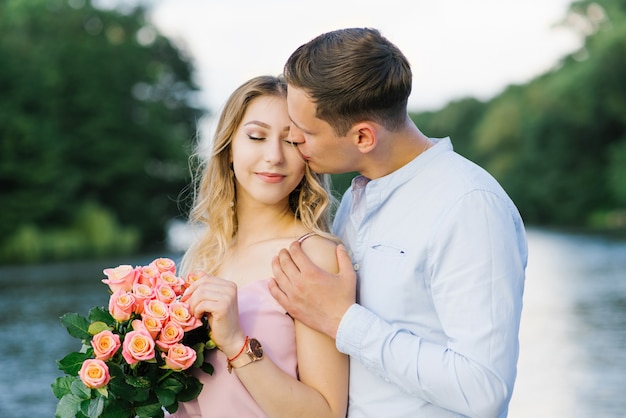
x=356 y=266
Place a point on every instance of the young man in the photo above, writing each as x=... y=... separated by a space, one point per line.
x=438 y=247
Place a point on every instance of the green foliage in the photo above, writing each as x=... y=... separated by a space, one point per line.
x=457 y=120
x=341 y=182
x=140 y=390
x=617 y=171
x=126 y=395
x=76 y=325
x=558 y=143
x=94 y=231
x=95 y=106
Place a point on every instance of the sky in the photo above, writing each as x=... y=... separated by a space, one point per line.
x=457 y=48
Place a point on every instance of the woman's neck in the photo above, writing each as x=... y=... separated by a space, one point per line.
x=255 y=225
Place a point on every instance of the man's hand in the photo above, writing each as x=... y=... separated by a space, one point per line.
x=311 y=295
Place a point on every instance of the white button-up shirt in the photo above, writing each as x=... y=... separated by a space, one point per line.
x=440 y=253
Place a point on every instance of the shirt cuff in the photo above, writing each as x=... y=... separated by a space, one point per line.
x=353 y=327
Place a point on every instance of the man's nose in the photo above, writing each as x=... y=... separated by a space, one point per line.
x=295 y=134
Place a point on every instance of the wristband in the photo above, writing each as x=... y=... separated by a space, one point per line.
x=245 y=344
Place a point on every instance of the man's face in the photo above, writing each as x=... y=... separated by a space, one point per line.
x=317 y=142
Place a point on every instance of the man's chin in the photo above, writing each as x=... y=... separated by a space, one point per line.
x=315 y=167
x=321 y=169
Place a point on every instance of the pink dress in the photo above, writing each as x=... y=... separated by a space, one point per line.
x=261 y=317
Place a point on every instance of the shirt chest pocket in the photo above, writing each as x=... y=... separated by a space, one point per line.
x=387 y=250
x=391 y=282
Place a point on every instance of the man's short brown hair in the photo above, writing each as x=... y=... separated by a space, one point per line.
x=353 y=75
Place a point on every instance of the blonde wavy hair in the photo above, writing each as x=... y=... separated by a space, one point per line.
x=214 y=185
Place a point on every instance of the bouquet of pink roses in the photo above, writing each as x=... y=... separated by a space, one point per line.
x=137 y=355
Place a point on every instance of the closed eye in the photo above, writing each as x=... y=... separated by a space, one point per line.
x=255 y=138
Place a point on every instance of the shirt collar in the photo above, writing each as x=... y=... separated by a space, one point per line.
x=386 y=184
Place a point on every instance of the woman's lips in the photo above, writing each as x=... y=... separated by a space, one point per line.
x=270 y=177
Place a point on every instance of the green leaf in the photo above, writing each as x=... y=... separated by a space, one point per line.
x=141 y=394
x=152 y=410
x=199 y=349
x=68 y=406
x=118 y=386
x=97 y=327
x=139 y=381
x=77 y=325
x=72 y=363
x=207 y=368
x=191 y=390
x=210 y=345
x=79 y=389
x=61 y=386
x=118 y=409
x=167 y=391
x=103 y=391
x=172 y=408
x=166 y=397
x=86 y=349
x=172 y=384
x=100 y=314
x=94 y=408
x=84 y=408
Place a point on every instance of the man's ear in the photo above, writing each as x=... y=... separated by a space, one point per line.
x=364 y=135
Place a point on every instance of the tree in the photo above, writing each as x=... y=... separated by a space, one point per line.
x=557 y=144
x=457 y=120
x=96 y=109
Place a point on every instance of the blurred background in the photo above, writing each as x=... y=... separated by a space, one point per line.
x=103 y=102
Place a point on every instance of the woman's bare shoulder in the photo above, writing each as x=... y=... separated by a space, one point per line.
x=322 y=251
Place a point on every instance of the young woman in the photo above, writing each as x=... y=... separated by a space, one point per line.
x=256 y=195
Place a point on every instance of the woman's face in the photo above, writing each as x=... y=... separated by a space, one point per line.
x=268 y=167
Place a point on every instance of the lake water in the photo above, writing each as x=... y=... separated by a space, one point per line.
x=573 y=336
x=573 y=333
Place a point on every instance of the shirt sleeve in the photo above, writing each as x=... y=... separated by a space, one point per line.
x=476 y=265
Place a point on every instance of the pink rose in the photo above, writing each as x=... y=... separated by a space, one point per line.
x=156 y=309
x=121 y=277
x=138 y=346
x=179 y=357
x=149 y=324
x=148 y=275
x=121 y=305
x=173 y=281
x=179 y=313
x=192 y=277
x=138 y=325
x=142 y=292
x=171 y=334
x=165 y=293
x=105 y=345
x=94 y=373
x=164 y=264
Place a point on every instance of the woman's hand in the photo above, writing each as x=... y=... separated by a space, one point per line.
x=217 y=298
